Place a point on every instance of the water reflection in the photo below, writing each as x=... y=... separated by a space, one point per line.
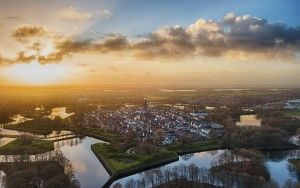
x=53 y=134
x=88 y=170
x=82 y=161
x=176 y=90
x=2 y=179
x=201 y=160
x=277 y=164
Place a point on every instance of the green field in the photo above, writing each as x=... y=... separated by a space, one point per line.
x=102 y=135
x=181 y=148
x=294 y=113
x=36 y=146
x=118 y=162
x=40 y=126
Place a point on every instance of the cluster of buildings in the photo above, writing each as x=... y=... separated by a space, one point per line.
x=292 y=104
x=163 y=124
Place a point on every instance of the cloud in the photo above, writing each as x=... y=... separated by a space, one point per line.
x=113 y=68
x=112 y=42
x=12 y=18
x=21 y=58
x=73 y=14
x=229 y=17
x=26 y=31
x=252 y=34
x=82 y=64
x=66 y=47
x=244 y=35
x=4 y=60
x=203 y=26
x=164 y=42
x=103 y=14
x=92 y=70
x=236 y=37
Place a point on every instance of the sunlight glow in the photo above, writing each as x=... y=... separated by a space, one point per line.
x=36 y=74
x=47 y=49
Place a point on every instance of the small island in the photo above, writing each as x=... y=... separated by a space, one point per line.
x=250 y=163
x=120 y=163
x=26 y=145
x=184 y=148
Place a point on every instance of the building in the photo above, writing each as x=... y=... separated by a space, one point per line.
x=145 y=104
x=292 y=104
x=249 y=121
x=201 y=115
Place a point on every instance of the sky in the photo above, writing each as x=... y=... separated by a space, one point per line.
x=172 y=43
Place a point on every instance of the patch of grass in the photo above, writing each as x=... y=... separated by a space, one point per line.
x=286 y=120
x=293 y=113
x=182 y=148
x=100 y=134
x=40 y=125
x=117 y=162
x=36 y=146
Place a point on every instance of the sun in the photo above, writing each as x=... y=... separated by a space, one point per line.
x=36 y=74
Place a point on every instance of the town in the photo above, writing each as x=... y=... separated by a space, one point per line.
x=152 y=123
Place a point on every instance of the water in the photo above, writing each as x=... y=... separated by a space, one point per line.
x=201 y=159
x=87 y=168
x=56 y=134
x=2 y=179
x=232 y=89
x=277 y=165
x=91 y=173
x=176 y=90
